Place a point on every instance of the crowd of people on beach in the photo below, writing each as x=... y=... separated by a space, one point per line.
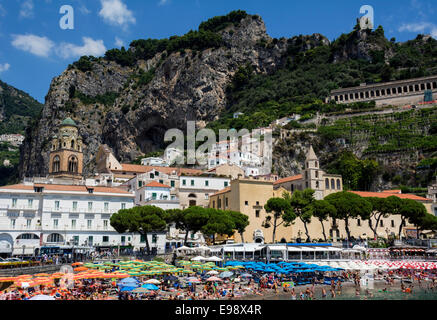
x=255 y=286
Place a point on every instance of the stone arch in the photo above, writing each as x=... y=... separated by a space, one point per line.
x=73 y=164
x=27 y=236
x=338 y=184
x=326 y=183
x=332 y=184
x=72 y=144
x=6 y=242
x=55 y=238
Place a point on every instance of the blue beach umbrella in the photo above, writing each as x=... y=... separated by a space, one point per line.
x=150 y=286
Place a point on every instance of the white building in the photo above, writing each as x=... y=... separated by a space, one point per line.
x=173 y=155
x=154 y=161
x=196 y=190
x=158 y=195
x=36 y=215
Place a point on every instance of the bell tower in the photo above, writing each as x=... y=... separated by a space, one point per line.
x=66 y=154
x=313 y=176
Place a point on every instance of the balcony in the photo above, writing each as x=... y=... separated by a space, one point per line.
x=16 y=207
x=77 y=211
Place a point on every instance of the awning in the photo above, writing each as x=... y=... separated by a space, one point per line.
x=334 y=249
x=321 y=249
x=308 y=249
x=278 y=248
x=294 y=249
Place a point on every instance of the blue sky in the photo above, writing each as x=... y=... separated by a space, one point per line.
x=35 y=49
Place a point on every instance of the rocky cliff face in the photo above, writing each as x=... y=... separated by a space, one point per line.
x=187 y=85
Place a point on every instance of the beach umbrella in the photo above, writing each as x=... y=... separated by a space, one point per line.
x=76 y=264
x=153 y=281
x=42 y=297
x=150 y=286
x=226 y=274
x=214 y=279
x=246 y=275
x=140 y=290
x=198 y=258
x=212 y=272
x=81 y=269
x=128 y=288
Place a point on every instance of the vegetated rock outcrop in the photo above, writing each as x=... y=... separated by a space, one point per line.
x=129 y=107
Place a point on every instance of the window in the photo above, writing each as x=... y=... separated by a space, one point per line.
x=72 y=165
x=213 y=204
x=154 y=238
x=226 y=202
x=257 y=213
x=123 y=206
x=184 y=182
x=392 y=223
x=56 y=164
x=123 y=239
x=105 y=238
x=154 y=195
x=152 y=176
x=74 y=205
x=246 y=203
x=161 y=181
x=172 y=184
x=13 y=223
x=257 y=203
x=206 y=183
x=14 y=203
x=381 y=223
x=76 y=240
x=105 y=224
x=90 y=240
x=106 y=206
x=359 y=222
x=55 y=223
x=206 y=196
x=28 y=223
x=56 y=205
x=140 y=184
x=30 y=203
x=338 y=184
x=73 y=224
x=89 y=224
x=192 y=183
x=157 y=173
x=226 y=184
x=90 y=206
x=219 y=204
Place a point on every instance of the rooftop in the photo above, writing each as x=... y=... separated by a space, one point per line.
x=288 y=179
x=389 y=194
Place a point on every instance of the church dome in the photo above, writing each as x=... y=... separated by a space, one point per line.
x=68 y=122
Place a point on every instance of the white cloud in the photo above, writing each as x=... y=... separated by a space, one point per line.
x=39 y=46
x=26 y=10
x=4 y=67
x=163 y=2
x=422 y=27
x=116 y=13
x=119 y=42
x=90 y=47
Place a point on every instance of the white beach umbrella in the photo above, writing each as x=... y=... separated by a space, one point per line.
x=42 y=297
x=198 y=258
x=214 y=259
x=213 y=273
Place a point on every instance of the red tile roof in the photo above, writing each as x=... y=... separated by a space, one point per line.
x=388 y=194
x=288 y=179
x=392 y=191
x=157 y=185
x=222 y=191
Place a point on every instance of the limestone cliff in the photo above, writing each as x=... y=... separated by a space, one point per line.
x=112 y=107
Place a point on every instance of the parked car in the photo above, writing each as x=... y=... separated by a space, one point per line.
x=13 y=260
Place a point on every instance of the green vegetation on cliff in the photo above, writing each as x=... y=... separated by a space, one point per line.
x=16 y=109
